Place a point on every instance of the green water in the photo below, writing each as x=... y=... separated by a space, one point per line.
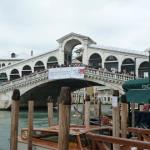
x=40 y=120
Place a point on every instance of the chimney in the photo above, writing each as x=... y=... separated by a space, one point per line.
x=31 y=53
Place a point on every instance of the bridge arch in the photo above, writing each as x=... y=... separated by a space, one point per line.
x=26 y=70
x=3 y=64
x=69 y=45
x=143 y=69
x=14 y=74
x=95 y=61
x=52 y=61
x=39 y=66
x=128 y=66
x=111 y=63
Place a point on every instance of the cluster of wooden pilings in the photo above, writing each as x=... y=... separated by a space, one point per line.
x=64 y=117
x=119 y=124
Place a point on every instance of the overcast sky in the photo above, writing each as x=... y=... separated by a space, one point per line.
x=27 y=25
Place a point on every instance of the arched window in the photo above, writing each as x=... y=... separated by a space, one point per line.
x=68 y=50
x=26 y=70
x=95 y=61
x=14 y=74
x=39 y=66
x=13 y=55
x=128 y=66
x=111 y=63
x=143 y=69
x=52 y=62
x=3 y=77
x=3 y=64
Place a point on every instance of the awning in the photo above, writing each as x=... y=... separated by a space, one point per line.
x=135 y=84
x=138 y=95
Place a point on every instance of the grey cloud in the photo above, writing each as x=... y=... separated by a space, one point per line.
x=36 y=24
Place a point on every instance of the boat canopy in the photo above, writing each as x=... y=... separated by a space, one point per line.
x=137 y=91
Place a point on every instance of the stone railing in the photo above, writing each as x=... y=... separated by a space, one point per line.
x=43 y=76
x=24 y=81
x=107 y=76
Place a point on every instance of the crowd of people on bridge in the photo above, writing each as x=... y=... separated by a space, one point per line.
x=123 y=72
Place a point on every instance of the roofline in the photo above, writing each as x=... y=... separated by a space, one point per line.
x=75 y=34
x=11 y=59
x=122 y=51
x=27 y=59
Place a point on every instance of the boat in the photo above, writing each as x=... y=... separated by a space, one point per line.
x=47 y=138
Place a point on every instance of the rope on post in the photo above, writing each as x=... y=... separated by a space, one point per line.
x=14 y=119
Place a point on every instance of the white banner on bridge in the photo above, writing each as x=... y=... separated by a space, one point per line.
x=66 y=72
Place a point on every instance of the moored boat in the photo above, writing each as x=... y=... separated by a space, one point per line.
x=47 y=138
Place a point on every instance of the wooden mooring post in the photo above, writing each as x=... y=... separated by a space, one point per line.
x=50 y=110
x=64 y=118
x=124 y=116
x=30 y=121
x=116 y=117
x=133 y=114
x=87 y=111
x=14 y=119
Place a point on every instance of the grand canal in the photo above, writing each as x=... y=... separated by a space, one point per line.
x=40 y=120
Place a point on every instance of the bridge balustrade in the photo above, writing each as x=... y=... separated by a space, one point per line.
x=108 y=75
x=98 y=74
x=25 y=80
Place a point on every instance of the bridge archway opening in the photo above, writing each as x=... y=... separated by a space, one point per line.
x=52 y=62
x=39 y=66
x=143 y=69
x=14 y=74
x=52 y=88
x=26 y=70
x=111 y=63
x=70 y=49
x=3 y=64
x=128 y=66
x=95 y=61
x=77 y=54
x=3 y=77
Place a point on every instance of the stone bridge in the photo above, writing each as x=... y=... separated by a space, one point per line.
x=41 y=87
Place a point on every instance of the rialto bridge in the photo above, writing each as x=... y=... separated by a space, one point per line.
x=110 y=67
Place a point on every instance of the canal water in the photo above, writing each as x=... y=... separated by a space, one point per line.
x=40 y=120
